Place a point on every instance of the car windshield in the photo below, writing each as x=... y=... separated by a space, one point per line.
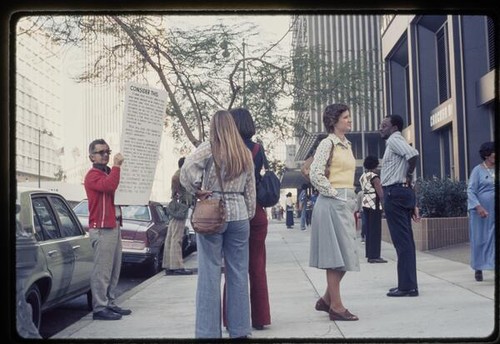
x=136 y=212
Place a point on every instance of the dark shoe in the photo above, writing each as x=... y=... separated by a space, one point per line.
x=377 y=260
x=106 y=314
x=345 y=316
x=178 y=272
x=396 y=292
x=182 y=272
x=321 y=305
x=393 y=289
x=258 y=327
x=478 y=275
x=120 y=310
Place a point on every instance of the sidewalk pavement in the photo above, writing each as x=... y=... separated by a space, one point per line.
x=451 y=305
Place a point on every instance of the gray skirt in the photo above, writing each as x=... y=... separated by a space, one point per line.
x=333 y=233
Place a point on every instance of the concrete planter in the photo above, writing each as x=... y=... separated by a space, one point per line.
x=432 y=233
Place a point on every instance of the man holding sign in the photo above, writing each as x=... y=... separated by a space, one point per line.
x=101 y=183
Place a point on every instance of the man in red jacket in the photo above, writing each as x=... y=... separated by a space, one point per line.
x=101 y=183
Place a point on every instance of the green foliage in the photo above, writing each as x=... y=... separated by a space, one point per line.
x=442 y=197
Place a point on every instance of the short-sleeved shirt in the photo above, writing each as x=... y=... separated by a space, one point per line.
x=395 y=160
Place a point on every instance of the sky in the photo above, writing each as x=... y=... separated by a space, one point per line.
x=271 y=28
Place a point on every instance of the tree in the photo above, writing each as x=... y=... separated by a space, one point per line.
x=318 y=80
x=201 y=69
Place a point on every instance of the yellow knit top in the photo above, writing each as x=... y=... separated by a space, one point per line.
x=342 y=167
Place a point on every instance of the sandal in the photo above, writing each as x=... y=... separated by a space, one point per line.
x=321 y=305
x=344 y=316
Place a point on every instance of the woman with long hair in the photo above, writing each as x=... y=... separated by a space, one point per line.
x=227 y=152
x=259 y=295
x=333 y=232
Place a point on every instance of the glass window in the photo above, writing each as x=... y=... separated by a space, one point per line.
x=82 y=209
x=45 y=221
x=69 y=226
x=136 y=212
x=161 y=213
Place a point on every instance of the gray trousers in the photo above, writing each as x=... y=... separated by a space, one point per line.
x=107 y=245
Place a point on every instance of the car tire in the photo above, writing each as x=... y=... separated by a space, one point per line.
x=89 y=300
x=155 y=264
x=34 y=299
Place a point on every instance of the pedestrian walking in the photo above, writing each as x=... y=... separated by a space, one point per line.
x=226 y=152
x=289 y=210
x=173 y=263
x=400 y=207
x=100 y=185
x=372 y=192
x=303 y=198
x=481 y=206
x=333 y=234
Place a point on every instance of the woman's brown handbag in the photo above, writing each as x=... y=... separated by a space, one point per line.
x=209 y=214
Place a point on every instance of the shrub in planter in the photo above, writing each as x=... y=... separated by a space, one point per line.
x=442 y=197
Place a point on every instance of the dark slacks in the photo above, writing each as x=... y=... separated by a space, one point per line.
x=372 y=219
x=399 y=203
x=259 y=295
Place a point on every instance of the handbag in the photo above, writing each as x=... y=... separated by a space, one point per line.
x=177 y=209
x=306 y=167
x=209 y=214
x=268 y=185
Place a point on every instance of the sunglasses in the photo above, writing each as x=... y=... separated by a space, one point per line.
x=101 y=153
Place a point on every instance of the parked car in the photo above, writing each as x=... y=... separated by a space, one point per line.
x=143 y=233
x=63 y=258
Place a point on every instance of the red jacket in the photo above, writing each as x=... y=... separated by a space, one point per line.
x=100 y=188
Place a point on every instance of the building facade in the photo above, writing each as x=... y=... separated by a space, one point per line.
x=38 y=105
x=440 y=77
x=350 y=46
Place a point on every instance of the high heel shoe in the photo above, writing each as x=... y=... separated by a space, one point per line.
x=344 y=316
x=321 y=305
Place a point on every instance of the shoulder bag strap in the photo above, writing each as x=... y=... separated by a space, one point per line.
x=217 y=172
x=255 y=150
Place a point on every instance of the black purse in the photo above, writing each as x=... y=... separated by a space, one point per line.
x=268 y=187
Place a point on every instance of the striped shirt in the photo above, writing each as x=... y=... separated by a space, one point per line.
x=198 y=172
x=395 y=160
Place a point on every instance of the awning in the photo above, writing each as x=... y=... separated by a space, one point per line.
x=292 y=179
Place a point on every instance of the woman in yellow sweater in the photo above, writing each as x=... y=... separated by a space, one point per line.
x=333 y=232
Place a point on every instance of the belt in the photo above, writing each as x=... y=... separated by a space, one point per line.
x=402 y=185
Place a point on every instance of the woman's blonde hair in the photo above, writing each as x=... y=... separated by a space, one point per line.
x=228 y=148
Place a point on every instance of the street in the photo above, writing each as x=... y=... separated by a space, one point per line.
x=57 y=319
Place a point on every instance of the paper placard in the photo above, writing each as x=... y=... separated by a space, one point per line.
x=140 y=143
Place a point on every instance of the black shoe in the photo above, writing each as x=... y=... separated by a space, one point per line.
x=182 y=272
x=258 y=327
x=106 y=314
x=119 y=310
x=377 y=260
x=478 y=275
x=396 y=292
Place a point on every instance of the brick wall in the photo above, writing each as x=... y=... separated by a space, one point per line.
x=432 y=233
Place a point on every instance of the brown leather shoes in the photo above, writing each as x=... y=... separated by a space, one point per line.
x=321 y=305
x=344 y=316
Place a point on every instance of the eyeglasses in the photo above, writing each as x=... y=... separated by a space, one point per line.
x=101 y=153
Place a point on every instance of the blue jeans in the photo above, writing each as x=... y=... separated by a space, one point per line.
x=303 y=215
x=232 y=244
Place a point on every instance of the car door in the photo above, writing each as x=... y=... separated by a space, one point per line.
x=57 y=250
x=73 y=232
